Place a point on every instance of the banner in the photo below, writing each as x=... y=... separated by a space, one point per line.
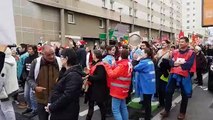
x=207 y=13
x=7 y=25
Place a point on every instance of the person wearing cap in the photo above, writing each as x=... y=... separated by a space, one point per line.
x=201 y=64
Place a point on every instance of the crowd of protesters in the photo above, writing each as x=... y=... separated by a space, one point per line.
x=54 y=79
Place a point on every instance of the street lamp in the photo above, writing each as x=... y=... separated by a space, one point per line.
x=120 y=8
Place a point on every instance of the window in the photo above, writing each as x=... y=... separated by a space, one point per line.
x=101 y=23
x=148 y=15
x=130 y=11
x=188 y=15
x=193 y=26
x=188 y=3
x=193 y=20
x=71 y=18
x=187 y=21
x=135 y=12
x=187 y=27
x=193 y=2
x=148 y=1
x=193 y=8
x=104 y=3
x=111 y=3
x=188 y=9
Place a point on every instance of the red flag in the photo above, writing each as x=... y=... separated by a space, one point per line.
x=181 y=34
x=194 y=38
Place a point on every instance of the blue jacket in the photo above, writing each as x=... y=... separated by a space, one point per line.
x=180 y=80
x=145 y=83
x=20 y=64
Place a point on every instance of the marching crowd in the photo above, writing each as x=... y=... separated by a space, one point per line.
x=53 y=79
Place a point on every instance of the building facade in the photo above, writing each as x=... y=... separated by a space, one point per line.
x=192 y=18
x=54 y=20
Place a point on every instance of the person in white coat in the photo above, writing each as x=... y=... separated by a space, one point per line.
x=8 y=86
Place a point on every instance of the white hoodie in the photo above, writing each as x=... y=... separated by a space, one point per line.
x=8 y=76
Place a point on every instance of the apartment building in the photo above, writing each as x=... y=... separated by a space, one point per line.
x=54 y=20
x=192 y=18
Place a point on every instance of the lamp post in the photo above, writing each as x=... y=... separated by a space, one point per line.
x=120 y=8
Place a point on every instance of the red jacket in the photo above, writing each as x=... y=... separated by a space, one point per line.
x=120 y=79
x=178 y=70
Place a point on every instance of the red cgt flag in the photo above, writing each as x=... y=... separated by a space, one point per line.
x=181 y=34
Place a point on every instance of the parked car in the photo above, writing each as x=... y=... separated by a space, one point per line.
x=210 y=80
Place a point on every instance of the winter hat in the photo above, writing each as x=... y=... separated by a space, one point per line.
x=198 y=48
x=81 y=42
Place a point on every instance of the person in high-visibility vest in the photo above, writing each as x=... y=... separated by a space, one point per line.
x=97 y=81
x=119 y=86
x=181 y=65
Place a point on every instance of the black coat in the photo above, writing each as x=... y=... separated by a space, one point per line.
x=201 y=62
x=165 y=67
x=27 y=64
x=64 y=99
x=81 y=54
x=2 y=57
x=98 y=91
